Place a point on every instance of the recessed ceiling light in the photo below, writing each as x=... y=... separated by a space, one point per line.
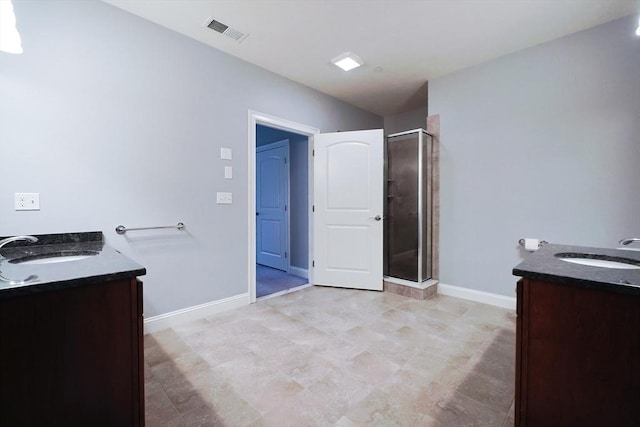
x=9 y=36
x=347 y=61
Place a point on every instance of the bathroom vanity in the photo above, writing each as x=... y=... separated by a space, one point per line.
x=578 y=338
x=71 y=346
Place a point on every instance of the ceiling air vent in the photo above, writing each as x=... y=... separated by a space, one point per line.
x=227 y=30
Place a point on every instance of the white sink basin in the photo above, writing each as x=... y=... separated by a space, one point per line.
x=54 y=260
x=599 y=261
x=54 y=257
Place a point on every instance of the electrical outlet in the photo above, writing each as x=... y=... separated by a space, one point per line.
x=27 y=201
x=228 y=172
x=224 y=198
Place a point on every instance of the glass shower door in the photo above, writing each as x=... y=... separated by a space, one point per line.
x=408 y=210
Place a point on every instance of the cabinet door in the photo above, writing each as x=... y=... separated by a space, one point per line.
x=72 y=357
x=138 y=357
x=520 y=398
x=579 y=362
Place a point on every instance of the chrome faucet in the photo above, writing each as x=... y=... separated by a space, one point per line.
x=30 y=279
x=16 y=239
x=629 y=241
x=27 y=281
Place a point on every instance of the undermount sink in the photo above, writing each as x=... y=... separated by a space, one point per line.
x=54 y=258
x=603 y=261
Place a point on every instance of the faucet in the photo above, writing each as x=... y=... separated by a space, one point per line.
x=629 y=241
x=17 y=238
x=27 y=281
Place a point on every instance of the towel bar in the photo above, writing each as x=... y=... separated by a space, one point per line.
x=121 y=229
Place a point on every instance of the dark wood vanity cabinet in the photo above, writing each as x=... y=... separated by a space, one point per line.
x=73 y=356
x=577 y=356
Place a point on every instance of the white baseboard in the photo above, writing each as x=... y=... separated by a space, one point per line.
x=173 y=318
x=477 y=296
x=300 y=272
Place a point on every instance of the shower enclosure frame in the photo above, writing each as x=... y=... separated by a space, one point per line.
x=424 y=198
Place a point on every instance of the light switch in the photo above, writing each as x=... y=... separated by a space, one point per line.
x=228 y=172
x=27 y=201
x=226 y=153
x=224 y=198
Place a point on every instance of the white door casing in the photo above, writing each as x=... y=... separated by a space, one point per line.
x=348 y=203
x=272 y=200
x=255 y=118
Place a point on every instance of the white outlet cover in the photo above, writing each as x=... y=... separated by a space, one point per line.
x=27 y=201
x=228 y=172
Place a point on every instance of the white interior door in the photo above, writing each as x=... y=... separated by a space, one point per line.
x=348 y=203
x=272 y=194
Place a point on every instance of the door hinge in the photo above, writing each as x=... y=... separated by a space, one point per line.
x=313 y=263
x=285 y=208
x=285 y=160
x=313 y=208
x=285 y=254
x=313 y=153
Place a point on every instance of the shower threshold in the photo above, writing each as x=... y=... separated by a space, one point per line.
x=407 y=288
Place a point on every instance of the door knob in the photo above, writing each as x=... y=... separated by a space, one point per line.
x=257 y=213
x=377 y=217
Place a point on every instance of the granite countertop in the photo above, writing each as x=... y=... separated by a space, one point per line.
x=544 y=265
x=102 y=263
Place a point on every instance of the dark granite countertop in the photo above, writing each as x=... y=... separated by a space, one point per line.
x=102 y=263
x=544 y=265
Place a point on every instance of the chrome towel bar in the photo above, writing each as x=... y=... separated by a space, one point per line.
x=121 y=229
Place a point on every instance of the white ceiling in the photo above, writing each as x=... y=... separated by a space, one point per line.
x=413 y=41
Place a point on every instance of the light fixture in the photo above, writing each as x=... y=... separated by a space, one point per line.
x=638 y=29
x=9 y=37
x=347 y=61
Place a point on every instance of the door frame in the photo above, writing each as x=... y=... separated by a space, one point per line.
x=256 y=118
x=287 y=217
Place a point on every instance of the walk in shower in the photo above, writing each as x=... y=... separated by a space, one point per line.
x=409 y=206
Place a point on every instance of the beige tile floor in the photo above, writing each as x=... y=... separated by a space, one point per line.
x=326 y=356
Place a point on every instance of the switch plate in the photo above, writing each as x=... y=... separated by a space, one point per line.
x=224 y=198
x=27 y=201
x=226 y=153
x=228 y=172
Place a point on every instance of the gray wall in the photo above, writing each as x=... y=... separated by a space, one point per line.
x=408 y=120
x=543 y=143
x=116 y=120
x=299 y=189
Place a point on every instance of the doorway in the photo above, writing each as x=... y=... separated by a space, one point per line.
x=282 y=226
x=348 y=249
x=292 y=252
